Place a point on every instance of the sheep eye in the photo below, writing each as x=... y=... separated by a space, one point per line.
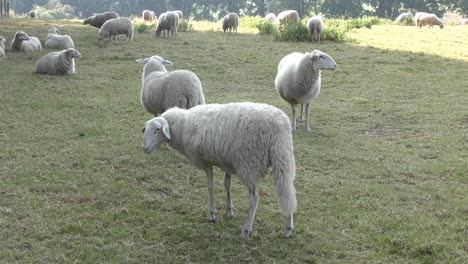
x=321 y=57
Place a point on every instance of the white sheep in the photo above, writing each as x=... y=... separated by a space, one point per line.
x=240 y=138
x=114 y=27
x=24 y=43
x=161 y=90
x=168 y=21
x=429 y=19
x=2 y=46
x=179 y=13
x=417 y=15
x=288 y=16
x=298 y=80
x=148 y=15
x=464 y=22
x=58 y=62
x=315 y=27
x=271 y=17
x=56 y=41
x=99 y=19
x=403 y=16
x=230 y=22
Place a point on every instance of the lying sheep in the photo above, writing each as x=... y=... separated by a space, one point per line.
x=315 y=27
x=288 y=16
x=56 y=41
x=148 y=15
x=161 y=90
x=430 y=20
x=2 y=46
x=298 y=80
x=24 y=43
x=239 y=138
x=168 y=21
x=114 y=27
x=231 y=22
x=58 y=62
x=99 y=19
x=270 y=17
x=403 y=16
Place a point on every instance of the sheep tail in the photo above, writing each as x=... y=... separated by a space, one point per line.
x=283 y=172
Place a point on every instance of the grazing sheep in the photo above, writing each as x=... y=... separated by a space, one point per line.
x=402 y=17
x=417 y=15
x=24 y=43
x=2 y=46
x=464 y=22
x=315 y=27
x=231 y=22
x=298 y=80
x=148 y=15
x=168 y=21
x=32 y=14
x=55 y=41
x=288 y=16
x=99 y=19
x=58 y=62
x=430 y=20
x=270 y=17
x=114 y=27
x=239 y=138
x=179 y=13
x=161 y=90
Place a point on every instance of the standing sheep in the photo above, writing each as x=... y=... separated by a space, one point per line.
x=298 y=80
x=403 y=16
x=58 y=62
x=288 y=16
x=24 y=43
x=270 y=17
x=148 y=15
x=161 y=90
x=315 y=27
x=99 y=19
x=231 y=22
x=114 y=27
x=240 y=138
x=429 y=19
x=168 y=21
x=2 y=46
x=55 y=41
x=179 y=13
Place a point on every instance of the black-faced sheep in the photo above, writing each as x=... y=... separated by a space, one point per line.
x=24 y=43
x=99 y=19
x=230 y=22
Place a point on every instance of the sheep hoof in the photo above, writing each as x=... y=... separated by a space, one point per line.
x=212 y=217
x=287 y=232
x=308 y=130
x=229 y=212
x=245 y=234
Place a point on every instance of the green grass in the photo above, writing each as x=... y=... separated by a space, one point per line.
x=382 y=178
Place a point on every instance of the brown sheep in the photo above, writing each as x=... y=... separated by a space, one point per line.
x=288 y=16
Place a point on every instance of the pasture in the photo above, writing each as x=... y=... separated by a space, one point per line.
x=383 y=177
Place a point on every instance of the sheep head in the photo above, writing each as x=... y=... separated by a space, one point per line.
x=21 y=36
x=156 y=132
x=321 y=61
x=73 y=53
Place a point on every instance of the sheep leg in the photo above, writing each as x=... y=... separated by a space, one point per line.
x=227 y=186
x=254 y=197
x=289 y=226
x=307 y=117
x=300 y=118
x=293 y=119
x=211 y=208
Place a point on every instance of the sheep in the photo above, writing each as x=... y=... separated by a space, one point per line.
x=55 y=41
x=464 y=22
x=417 y=15
x=179 y=13
x=298 y=80
x=315 y=27
x=24 y=43
x=231 y=22
x=2 y=46
x=114 y=27
x=161 y=90
x=270 y=17
x=429 y=19
x=58 y=62
x=240 y=138
x=32 y=14
x=148 y=15
x=288 y=16
x=403 y=16
x=99 y=19
x=168 y=21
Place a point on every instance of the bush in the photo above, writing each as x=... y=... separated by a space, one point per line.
x=58 y=12
x=292 y=32
x=266 y=28
x=408 y=21
x=335 y=32
x=185 y=25
x=250 y=22
x=142 y=27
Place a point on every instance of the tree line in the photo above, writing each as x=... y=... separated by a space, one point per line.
x=214 y=9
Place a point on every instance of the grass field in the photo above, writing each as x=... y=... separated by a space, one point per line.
x=382 y=178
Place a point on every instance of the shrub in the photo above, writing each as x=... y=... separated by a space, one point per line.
x=266 y=28
x=292 y=32
x=185 y=25
x=408 y=21
x=250 y=22
x=58 y=12
x=335 y=32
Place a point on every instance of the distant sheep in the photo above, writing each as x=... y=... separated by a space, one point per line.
x=430 y=20
x=402 y=17
x=464 y=22
x=149 y=15
x=230 y=22
x=298 y=80
x=2 y=46
x=168 y=21
x=288 y=16
x=114 y=27
x=32 y=14
x=58 y=62
x=24 y=43
x=270 y=17
x=55 y=41
x=161 y=90
x=99 y=19
x=417 y=15
x=245 y=139
x=315 y=27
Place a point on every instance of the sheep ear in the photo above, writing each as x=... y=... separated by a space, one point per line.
x=162 y=60
x=166 y=130
x=142 y=61
x=143 y=130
